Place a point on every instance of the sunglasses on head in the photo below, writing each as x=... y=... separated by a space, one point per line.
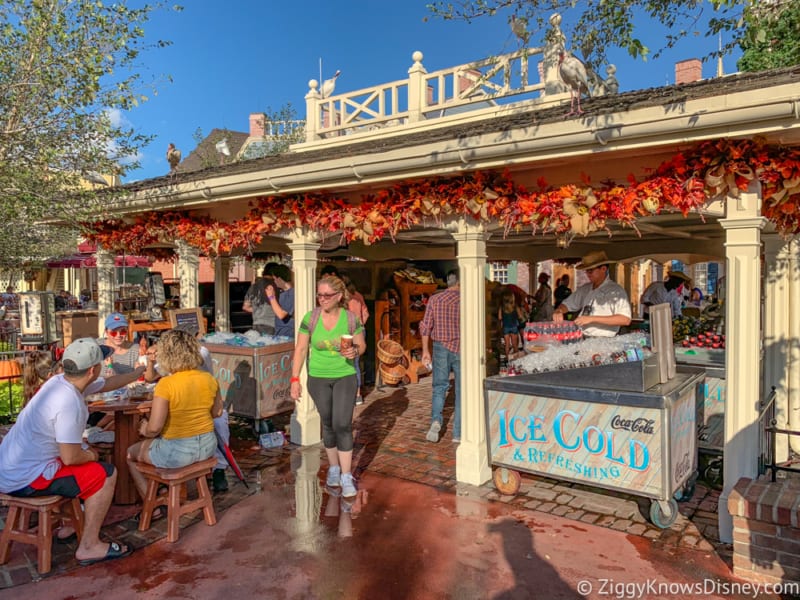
x=118 y=332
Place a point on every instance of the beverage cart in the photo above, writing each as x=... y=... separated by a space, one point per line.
x=611 y=426
x=254 y=381
x=710 y=409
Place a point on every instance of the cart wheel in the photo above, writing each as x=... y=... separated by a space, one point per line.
x=507 y=481
x=661 y=519
x=713 y=473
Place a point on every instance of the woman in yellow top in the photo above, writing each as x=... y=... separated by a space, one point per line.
x=185 y=402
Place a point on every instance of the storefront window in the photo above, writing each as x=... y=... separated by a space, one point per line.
x=499 y=272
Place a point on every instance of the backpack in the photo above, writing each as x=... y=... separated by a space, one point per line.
x=352 y=321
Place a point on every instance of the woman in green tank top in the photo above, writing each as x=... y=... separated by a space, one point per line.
x=331 y=375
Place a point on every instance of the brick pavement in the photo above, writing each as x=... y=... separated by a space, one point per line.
x=390 y=440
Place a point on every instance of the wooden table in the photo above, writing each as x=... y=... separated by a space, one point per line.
x=125 y=435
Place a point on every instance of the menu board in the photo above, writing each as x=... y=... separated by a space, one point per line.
x=189 y=319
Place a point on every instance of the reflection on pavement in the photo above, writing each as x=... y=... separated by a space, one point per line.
x=309 y=494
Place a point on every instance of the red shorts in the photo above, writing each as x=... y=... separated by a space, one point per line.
x=82 y=481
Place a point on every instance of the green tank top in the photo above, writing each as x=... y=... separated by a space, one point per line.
x=324 y=358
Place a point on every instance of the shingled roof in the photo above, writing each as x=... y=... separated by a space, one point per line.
x=522 y=116
x=205 y=154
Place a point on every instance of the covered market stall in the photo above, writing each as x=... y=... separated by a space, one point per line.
x=707 y=167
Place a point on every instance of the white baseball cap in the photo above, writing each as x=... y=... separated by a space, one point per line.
x=83 y=354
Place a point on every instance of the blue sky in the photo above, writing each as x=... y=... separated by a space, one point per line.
x=230 y=59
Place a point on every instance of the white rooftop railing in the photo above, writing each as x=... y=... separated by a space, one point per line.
x=425 y=96
x=529 y=74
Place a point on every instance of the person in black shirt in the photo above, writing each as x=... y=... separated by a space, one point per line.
x=562 y=291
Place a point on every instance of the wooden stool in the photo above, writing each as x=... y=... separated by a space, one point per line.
x=50 y=509
x=176 y=479
x=105 y=451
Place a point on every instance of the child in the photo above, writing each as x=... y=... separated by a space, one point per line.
x=511 y=316
x=39 y=367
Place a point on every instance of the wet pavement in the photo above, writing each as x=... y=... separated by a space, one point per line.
x=413 y=532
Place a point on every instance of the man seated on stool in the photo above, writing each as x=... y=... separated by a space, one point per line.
x=43 y=453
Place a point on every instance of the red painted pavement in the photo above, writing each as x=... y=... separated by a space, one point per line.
x=408 y=541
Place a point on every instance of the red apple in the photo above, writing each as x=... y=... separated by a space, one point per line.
x=715 y=345
x=685 y=343
x=693 y=340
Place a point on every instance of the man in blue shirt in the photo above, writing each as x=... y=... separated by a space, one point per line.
x=283 y=304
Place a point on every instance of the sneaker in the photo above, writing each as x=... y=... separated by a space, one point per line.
x=348 y=486
x=334 y=478
x=433 y=432
x=219 y=481
x=359 y=400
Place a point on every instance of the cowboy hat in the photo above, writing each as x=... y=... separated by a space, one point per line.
x=679 y=275
x=595 y=258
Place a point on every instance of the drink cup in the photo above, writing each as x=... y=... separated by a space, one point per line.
x=346 y=342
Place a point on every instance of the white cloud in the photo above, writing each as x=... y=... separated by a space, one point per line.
x=117 y=118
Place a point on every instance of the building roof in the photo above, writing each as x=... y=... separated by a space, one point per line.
x=205 y=155
x=522 y=115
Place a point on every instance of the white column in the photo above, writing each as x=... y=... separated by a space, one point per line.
x=627 y=275
x=222 y=294
x=793 y=337
x=312 y=111
x=553 y=85
x=417 y=90
x=105 y=287
x=306 y=426
x=742 y=225
x=188 y=274
x=472 y=459
x=776 y=332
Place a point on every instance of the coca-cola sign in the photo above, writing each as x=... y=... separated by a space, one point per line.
x=639 y=425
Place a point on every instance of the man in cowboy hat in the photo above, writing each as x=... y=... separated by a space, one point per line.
x=666 y=292
x=602 y=305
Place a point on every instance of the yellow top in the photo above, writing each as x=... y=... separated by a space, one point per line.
x=191 y=396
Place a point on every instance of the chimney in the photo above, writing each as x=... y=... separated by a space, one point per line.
x=257 y=124
x=687 y=71
x=467 y=80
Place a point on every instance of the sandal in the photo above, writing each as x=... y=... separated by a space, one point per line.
x=114 y=551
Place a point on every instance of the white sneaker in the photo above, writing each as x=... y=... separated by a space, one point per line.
x=433 y=432
x=359 y=400
x=348 y=485
x=334 y=478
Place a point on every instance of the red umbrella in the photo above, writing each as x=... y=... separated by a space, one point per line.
x=226 y=451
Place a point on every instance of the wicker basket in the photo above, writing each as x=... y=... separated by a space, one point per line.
x=389 y=352
x=392 y=374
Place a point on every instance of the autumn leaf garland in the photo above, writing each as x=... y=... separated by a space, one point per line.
x=685 y=183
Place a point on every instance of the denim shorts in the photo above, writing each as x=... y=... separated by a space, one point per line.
x=179 y=452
